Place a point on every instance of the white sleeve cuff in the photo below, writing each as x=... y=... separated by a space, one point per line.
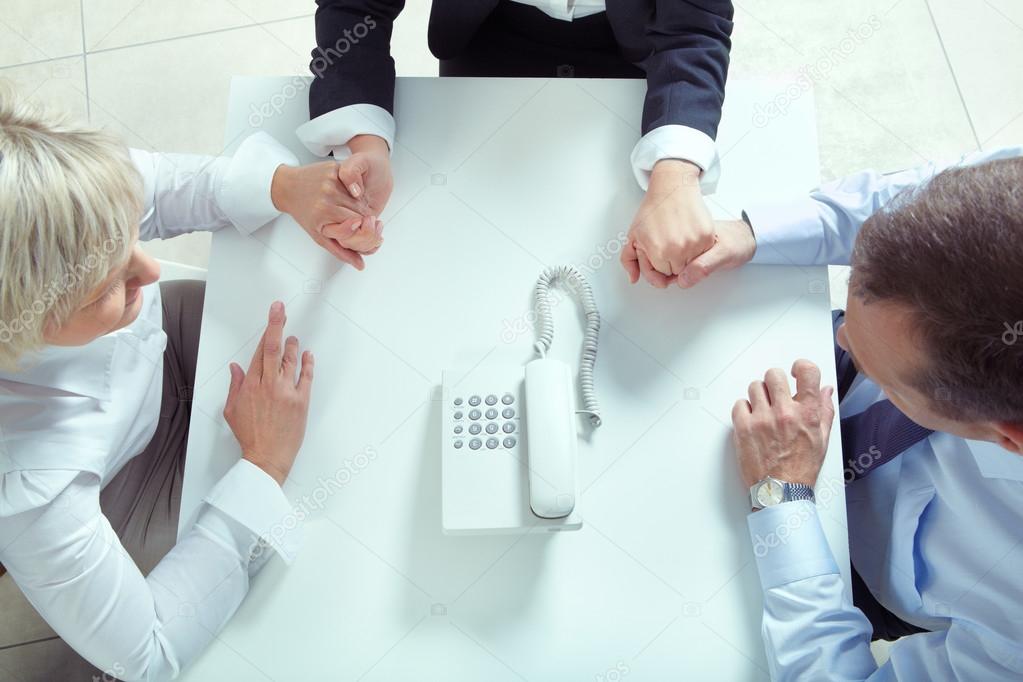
x=251 y=497
x=330 y=132
x=791 y=233
x=789 y=544
x=676 y=142
x=244 y=193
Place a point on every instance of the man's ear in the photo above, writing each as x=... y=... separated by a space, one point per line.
x=1010 y=436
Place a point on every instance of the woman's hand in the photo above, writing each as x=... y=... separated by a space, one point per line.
x=267 y=407
x=671 y=227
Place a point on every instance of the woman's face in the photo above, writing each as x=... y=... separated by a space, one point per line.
x=114 y=304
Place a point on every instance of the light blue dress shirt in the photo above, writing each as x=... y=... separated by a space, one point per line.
x=936 y=534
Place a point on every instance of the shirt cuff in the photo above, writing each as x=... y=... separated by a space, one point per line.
x=789 y=544
x=251 y=497
x=676 y=142
x=330 y=132
x=244 y=193
x=790 y=233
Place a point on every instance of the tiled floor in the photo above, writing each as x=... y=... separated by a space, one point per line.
x=897 y=83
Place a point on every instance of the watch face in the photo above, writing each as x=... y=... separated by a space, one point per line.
x=770 y=492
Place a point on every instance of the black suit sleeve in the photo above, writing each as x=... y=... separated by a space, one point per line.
x=687 y=69
x=352 y=61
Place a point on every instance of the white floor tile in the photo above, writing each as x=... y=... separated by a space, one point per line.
x=172 y=96
x=885 y=96
x=33 y=30
x=984 y=41
x=58 y=85
x=116 y=23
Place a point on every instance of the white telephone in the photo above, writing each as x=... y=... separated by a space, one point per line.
x=509 y=437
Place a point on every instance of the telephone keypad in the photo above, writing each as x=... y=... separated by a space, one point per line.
x=496 y=420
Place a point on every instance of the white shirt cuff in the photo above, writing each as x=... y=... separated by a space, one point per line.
x=676 y=142
x=789 y=544
x=244 y=193
x=330 y=133
x=787 y=234
x=251 y=497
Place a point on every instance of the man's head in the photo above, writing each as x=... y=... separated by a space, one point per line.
x=70 y=204
x=936 y=301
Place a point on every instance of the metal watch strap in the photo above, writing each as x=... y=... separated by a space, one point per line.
x=799 y=491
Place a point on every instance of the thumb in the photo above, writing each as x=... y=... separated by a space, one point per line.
x=237 y=376
x=699 y=268
x=351 y=172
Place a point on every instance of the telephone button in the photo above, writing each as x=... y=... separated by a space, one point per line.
x=475 y=428
x=509 y=442
x=458 y=445
x=458 y=401
x=508 y=427
x=474 y=414
x=474 y=400
x=475 y=444
x=491 y=400
x=491 y=413
x=507 y=399
x=458 y=428
x=492 y=443
x=507 y=413
x=459 y=415
x=491 y=427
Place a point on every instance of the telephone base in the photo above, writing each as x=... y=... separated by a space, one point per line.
x=484 y=459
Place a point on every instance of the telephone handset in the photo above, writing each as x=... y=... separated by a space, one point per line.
x=550 y=398
x=510 y=441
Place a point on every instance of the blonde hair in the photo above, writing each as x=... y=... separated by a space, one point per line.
x=70 y=203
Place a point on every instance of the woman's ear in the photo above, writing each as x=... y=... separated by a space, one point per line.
x=1010 y=436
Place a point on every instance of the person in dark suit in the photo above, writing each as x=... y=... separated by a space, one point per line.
x=681 y=47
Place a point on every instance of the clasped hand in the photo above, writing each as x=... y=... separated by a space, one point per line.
x=338 y=204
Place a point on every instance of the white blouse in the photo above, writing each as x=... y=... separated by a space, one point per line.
x=73 y=417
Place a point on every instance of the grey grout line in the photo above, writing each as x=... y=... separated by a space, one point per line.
x=31 y=641
x=85 y=52
x=85 y=63
x=215 y=31
x=951 y=70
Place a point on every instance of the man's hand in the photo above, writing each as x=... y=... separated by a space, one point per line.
x=780 y=435
x=671 y=227
x=316 y=198
x=734 y=245
x=366 y=174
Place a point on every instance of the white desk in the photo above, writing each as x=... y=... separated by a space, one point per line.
x=661 y=581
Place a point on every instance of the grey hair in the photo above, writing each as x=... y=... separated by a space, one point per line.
x=70 y=204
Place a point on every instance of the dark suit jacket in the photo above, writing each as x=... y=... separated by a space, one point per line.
x=681 y=44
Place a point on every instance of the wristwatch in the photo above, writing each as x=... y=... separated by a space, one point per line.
x=771 y=491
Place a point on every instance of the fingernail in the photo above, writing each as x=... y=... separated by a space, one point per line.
x=355 y=190
x=380 y=227
x=276 y=307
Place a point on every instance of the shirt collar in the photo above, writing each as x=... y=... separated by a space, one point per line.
x=80 y=370
x=995 y=461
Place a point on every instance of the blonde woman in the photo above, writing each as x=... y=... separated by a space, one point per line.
x=97 y=360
